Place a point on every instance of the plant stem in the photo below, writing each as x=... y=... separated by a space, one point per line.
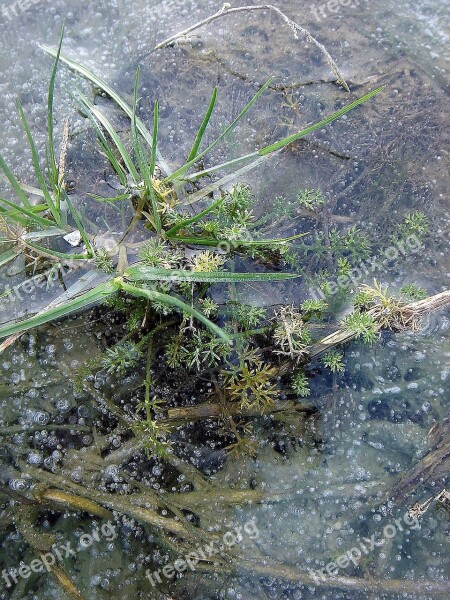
x=294 y=26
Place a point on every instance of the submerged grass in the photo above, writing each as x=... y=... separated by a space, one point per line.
x=168 y=311
x=154 y=199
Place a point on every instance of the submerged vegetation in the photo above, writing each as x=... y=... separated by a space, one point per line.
x=169 y=282
x=162 y=282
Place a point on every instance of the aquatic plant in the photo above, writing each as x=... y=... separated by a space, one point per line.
x=172 y=277
x=314 y=308
x=300 y=384
x=310 y=199
x=153 y=199
x=362 y=325
x=250 y=383
x=333 y=361
x=410 y=291
x=414 y=224
x=290 y=334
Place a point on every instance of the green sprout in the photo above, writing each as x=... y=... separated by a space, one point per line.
x=290 y=333
x=207 y=261
x=313 y=307
x=102 y=261
x=250 y=383
x=248 y=317
x=300 y=384
x=362 y=325
x=120 y=358
x=413 y=292
x=333 y=361
x=310 y=199
x=156 y=253
x=414 y=224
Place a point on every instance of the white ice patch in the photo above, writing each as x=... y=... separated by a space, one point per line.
x=74 y=238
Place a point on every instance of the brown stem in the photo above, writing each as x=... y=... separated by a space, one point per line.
x=440 y=588
x=342 y=335
x=434 y=465
x=293 y=26
x=212 y=410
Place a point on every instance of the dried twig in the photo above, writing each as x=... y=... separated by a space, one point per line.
x=439 y=588
x=297 y=29
x=210 y=410
x=63 y=155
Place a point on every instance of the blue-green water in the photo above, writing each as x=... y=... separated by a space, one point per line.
x=322 y=488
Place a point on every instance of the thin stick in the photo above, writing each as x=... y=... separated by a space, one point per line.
x=440 y=588
x=297 y=29
x=12 y=430
x=430 y=304
x=213 y=410
x=414 y=310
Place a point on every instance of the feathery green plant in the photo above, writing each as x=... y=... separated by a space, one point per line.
x=164 y=279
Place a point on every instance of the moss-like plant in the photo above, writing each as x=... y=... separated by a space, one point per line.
x=300 y=384
x=333 y=361
x=362 y=325
x=290 y=334
x=310 y=199
x=250 y=383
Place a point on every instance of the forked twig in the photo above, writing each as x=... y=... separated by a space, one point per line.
x=297 y=29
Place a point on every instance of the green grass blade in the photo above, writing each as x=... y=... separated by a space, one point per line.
x=203 y=126
x=79 y=225
x=212 y=187
x=80 y=285
x=194 y=219
x=7 y=256
x=201 y=241
x=39 y=235
x=292 y=138
x=100 y=83
x=278 y=145
x=154 y=145
x=53 y=168
x=129 y=164
x=140 y=156
x=270 y=242
x=58 y=254
x=214 y=243
x=137 y=146
x=144 y=273
x=225 y=165
x=14 y=183
x=15 y=216
x=108 y=151
x=42 y=221
x=173 y=302
x=110 y=200
x=198 y=241
x=98 y=294
x=156 y=217
x=40 y=177
x=28 y=189
x=177 y=174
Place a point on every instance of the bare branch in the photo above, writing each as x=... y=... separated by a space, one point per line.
x=297 y=29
